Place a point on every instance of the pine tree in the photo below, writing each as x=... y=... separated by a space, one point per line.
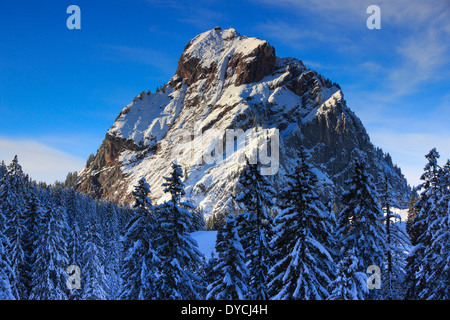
x=74 y=252
x=230 y=271
x=350 y=282
x=179 y=254
x=427 y=214
x=359 y=224
x=94 y=279
x=255 y=227
x=34 y=210
x=13 y=205
x=6 y=292
x=2 y=169
x=138 y=270
x=436 y=263
x=112 y=246
x=303 y=230
x=397 y=246
x=49 y=271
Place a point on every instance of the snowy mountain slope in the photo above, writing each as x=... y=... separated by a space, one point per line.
x=225 y=81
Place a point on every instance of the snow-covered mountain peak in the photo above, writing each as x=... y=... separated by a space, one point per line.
x=214 y=45
x=228 y=81
x=223 y=54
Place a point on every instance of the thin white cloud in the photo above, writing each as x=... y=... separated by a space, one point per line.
x=409 y=138
x=409 y=13
x=41 y=162
x=424 y=57
x=415 y=45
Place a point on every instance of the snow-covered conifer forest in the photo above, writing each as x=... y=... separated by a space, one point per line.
x=59 y=244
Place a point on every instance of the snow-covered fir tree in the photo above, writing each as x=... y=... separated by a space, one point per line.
x=74 y=252
x=139 y=264
x=5 y=265
x=111 y=234
x=423 y=227
x=397 y=245
x=435 y=265
x=349 y=283
x=179 y=253
x=13 y=205
x=49 y=270
x=255 y=227
x=230 y=271
x=359 y=223
x=303 y=229
x=2 y=169
x=34 y=210
x=94 y=284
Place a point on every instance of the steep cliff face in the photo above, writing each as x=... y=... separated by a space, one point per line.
x=229 y=86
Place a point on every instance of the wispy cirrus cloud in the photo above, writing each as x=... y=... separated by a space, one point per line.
x=422 y=58
x=346 y=12
x=414 y=47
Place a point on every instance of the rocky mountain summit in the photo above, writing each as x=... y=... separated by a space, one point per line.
x=227 y=84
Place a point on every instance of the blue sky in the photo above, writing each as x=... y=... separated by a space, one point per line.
x=61 y=89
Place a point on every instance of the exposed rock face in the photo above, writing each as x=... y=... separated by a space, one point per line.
x=228 y=81
x=253 y=67
x=105 y=169
x=250 y=64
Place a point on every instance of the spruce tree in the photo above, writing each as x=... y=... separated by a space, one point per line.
x=93 y=272
x=359 y=224
x=350 y=282
x=110 y=234
x=255 y=227
x=138 y=268
x=49 y=271
x=6 y=292
x=2 y=169
x=397 y=245
x=179 y=253
x=436 y=263
x=422 y=228
x=74 y=253
x=34 y=211
x=303 y=230
x=13 y=205
x=230 y=272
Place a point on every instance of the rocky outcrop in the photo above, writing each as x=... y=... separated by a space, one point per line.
x=104 y=174
x=190 y=70
x=249 y=65
x=254 y=66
